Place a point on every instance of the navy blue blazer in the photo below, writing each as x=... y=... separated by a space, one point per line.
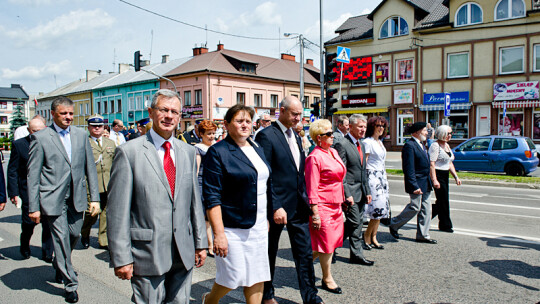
x=415 y=164
x=288 y=181
x=230 y=180
x=16 y=172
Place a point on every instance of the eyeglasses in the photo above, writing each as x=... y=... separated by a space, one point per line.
x=329 y=133
x=379 y=126
x=266 y=120
x=165 y=111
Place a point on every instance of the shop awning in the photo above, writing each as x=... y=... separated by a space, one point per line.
x=517 y=104
x=440 y=107
x=359 y=111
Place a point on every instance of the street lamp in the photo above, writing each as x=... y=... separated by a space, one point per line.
x=301 y=42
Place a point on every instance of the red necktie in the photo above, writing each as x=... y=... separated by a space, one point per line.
x=360 y=151
x=168 y=165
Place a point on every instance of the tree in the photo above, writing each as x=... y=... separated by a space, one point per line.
x=17 y=119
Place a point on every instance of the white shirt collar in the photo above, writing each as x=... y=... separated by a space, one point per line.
x=281 y=126
x=158 y=140
x=58 y=129
x=418 y=141
x=95 y=138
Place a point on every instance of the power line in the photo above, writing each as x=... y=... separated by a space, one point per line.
x=196 y=26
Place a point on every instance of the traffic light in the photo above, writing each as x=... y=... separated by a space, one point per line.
x=330 y=100
x=316 y=109
x=329 y=76
x=331 y=63
x=137 y=61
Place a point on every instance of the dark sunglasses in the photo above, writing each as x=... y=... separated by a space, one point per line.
x=379 y=126
x=330 y=133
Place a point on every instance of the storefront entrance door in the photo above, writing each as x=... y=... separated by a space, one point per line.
x=404 y=121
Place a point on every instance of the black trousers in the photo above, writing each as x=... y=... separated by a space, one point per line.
x=442 y=206
x=27 y=230
x=298 y=229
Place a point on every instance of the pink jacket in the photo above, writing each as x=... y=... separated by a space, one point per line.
x=324 y=177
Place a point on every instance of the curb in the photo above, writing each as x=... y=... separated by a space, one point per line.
x=483 y=183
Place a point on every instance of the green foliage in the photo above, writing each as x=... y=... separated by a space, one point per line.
x=17 y=119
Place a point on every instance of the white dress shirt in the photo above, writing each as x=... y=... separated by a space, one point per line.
x=158 y=143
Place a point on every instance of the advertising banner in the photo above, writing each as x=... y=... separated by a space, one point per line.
x=192 y=112
x=515 y=90
x=438 y=98
x=403 y=96
x=359 y=100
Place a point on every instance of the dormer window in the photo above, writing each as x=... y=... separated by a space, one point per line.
x=394 y=26
x=247 y=68
x=468 y=13
x=509 y=9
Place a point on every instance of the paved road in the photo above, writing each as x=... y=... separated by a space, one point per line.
x=492 y=258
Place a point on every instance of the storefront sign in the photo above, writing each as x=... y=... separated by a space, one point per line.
x=403 y=96
x=515 y=90
x=359 y=100
x=438 y=98
x=192 y=112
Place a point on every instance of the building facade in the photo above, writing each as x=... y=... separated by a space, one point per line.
x=485 y=54
x=10 y=97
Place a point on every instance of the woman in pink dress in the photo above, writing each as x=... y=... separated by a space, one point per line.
x=324 y=182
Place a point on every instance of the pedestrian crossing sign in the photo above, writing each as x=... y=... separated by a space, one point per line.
x=344 y=54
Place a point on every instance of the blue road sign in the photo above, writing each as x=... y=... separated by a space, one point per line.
x=446 y=104
x=343 y=54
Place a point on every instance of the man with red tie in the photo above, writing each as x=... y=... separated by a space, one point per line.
x=156 y=228
x=357 y=192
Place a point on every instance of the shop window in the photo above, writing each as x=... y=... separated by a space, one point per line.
x=394 y=26
x=187 y=98
x=274 y=101
x=381 y=72
x=405 y=70
x=536 y=123
x=257 y=100
x=458 y=65
x=198 y=97
x=509 y=9
x=241 y=98
x=512 y=123
x=433 y=118
x=511 y=60
x=459 y=122
x=536 y=58
x=468 y=13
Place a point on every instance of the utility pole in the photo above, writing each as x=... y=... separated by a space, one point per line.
x=321 y=70
x=301 y=40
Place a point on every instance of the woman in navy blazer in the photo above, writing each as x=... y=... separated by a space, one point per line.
x=237 y=194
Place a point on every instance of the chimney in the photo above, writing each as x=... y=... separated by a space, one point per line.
x=15 y=86
x=199 y=50
x=122 y=67
x=164 y=58
x=287 y=57
x=220 y=46
x=91 y=74
x=309 y=61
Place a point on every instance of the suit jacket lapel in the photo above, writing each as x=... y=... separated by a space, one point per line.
x=237 y=152
x=181 y=165
x=153 y=158
x=58 y=142
x=355 y=149
x=281 y=136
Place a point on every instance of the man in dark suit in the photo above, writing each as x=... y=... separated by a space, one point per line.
x=18 y=192
x=192 y=137
x=342 y=129
x=60 y=165
x=282 y=148
x=415 y=162
x=357 y=192
x=142 y=127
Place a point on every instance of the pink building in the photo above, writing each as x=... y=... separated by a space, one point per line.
x=211 y=82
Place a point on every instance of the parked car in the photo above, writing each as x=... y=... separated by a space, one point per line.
x=513 y=155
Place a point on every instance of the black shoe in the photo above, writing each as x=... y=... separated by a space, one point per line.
x=336 y=290
x=85 y=242
x=58 y=278
x=72 y=297
x=394 y=233
x=380 y=247
x=25 y=252
x=46 y=258
x=366 y=246
x=449 y=230
x=427 y=241
x=104 y=247
x=385 y=221
x=361 y=261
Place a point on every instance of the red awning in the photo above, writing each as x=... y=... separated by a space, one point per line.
x=517 y=104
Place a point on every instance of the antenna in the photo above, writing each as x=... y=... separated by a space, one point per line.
x=114 y=59
x=206 y=30
x=279 y=42
x=151 y=44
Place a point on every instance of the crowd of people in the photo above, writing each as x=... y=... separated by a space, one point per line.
x=167 y=201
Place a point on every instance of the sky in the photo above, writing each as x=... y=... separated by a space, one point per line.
x=49 y=43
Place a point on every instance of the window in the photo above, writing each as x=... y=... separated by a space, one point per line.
x=3 y=104
x=112 y=105
x=87 y=106
x=146 y=101
x=381 y=72
x=80 y=109
x=509 y=9
x=257 y=100
x=394 y=26
x=131 y=103
x=459 y=122
x=274 y=101
x=316 y=99
x=198 y=97
x=119 y=105
x=536 y=124
x=404 y=70
x=187 y=98
x=247 y=67
x=306 y=102
x=138 y=102
x=504 y=144
x=240 y=98
x=3 y=120
x=512 y=123
x=98 y=107
x=480 y=144
x=511 y=60
x=536 y=59
x=458 y=65
x=105 y=107
x=467 y=14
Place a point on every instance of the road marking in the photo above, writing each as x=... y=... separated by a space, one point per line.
x=496 y=213
x=477 y=203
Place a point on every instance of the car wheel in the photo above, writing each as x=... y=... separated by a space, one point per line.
x=514 y=169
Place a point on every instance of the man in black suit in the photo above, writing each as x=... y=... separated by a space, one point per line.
x=357 y=192
x=18 y=192
x=282 y=148
x=142 y=127
x=415 y=162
